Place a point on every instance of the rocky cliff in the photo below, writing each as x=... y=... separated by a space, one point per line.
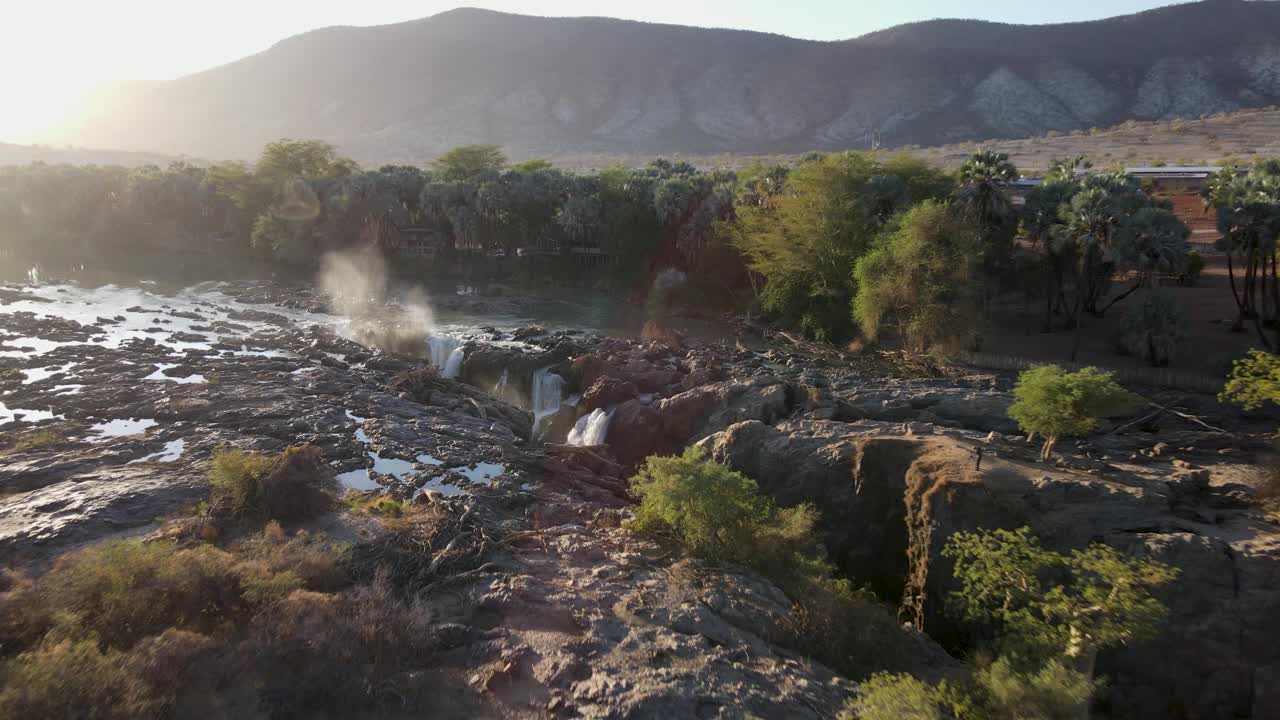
x=561 y=86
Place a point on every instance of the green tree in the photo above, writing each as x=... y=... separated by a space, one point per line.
x=468 y=162
x=1046 y=604
x=287 y=158
x=1248 y=212
x=1254 y=380
x=1043 y=224
x=1053 y=402
x=984 y=179
x=924 y=277
x=804 y=234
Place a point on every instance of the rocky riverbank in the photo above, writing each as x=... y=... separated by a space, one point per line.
x=111 y=417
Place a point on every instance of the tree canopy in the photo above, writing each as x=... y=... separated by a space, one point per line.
x=469 y=162
x=1254 y=381
x=804 y=230
x=1053 y=402
x=924 y=276
x=1047 y=604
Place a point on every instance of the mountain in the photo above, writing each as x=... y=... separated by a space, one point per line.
x=11 y=154
x=556 y=86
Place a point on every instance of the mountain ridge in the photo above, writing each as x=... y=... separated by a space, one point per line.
x=542 y=86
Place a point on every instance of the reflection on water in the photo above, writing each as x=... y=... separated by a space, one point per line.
x=121 y=427
x=38 y=374
x=8 y=415
x=483 y=473
x=169 y=275
x=159 y=375
x=171 y=452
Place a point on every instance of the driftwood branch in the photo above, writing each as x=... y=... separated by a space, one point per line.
x=1160 y=410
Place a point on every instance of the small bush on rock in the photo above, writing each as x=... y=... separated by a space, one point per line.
x=234 y=478
x=994 y=692
x=1054 y=692
x=37 y=441
x=292 y=486
x=418 y=383
x=887 y=696
x=718 y=514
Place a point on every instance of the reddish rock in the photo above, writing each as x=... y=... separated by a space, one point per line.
x=663 y=428
x=636 y=432
x=607 y=392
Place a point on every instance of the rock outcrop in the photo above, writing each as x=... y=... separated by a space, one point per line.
x=890 y=501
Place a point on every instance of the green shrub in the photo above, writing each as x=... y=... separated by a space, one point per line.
x=380 y=505
x=186 y=675
x=995 y=692
x=1192 y=268
x=72 y=680
x=129 y=629
x=24 y=617
x=264 y=588
x=339 y=653
x=292 y=486
x=845 y=628
x=124 y=590
x=715 y=513
x=718 y=514
x=37 y=441
x=888 y=696
x=234 y=478
x=1254 y=381
x=1153 y=330
x=1054 y=692
x=924 y=278
x=320 y=564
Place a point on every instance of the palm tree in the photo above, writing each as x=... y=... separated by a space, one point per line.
x=984 y=178
x=1089 y=219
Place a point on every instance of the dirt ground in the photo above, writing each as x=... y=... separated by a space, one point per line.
x=1208 y=350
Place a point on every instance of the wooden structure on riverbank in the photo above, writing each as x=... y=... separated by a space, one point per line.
x=405 y=241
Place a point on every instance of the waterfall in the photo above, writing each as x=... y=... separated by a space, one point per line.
x=500 y=387
x=591 y=430
x=545 y=390
x=446 y=354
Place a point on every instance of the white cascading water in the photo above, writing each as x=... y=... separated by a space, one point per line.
x=545 y=396
x=591 y=430
x=500 y=387
x=446 y=354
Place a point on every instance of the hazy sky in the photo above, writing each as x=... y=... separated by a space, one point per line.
x=53 y=51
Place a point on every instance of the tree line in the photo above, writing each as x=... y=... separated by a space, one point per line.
x=301 y=199
x=838 y=245
x=855 y=243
